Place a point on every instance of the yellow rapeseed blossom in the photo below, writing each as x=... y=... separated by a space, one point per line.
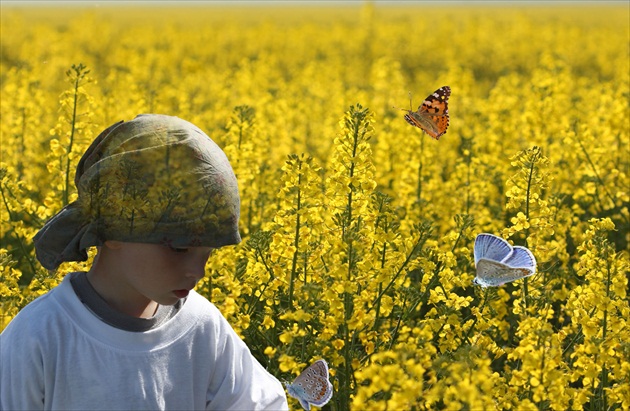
x=357 y=228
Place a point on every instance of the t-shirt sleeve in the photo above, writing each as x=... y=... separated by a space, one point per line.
x=239 y=381
x=21 y=368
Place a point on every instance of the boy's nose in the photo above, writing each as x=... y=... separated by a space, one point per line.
x=196 y=270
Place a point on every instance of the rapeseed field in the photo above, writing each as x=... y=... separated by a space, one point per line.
x=357 y=228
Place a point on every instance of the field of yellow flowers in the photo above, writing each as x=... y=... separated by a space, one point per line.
x=358 y=229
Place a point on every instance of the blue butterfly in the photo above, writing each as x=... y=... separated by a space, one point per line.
x=498 y=262
x=312 y=386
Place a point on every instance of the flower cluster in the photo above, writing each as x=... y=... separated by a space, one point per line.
x=358 y=229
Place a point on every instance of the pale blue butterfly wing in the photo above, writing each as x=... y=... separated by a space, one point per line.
x=312 y=386
x=491 y=247
x=521 y=257
x=497 y=262
x=493 y=273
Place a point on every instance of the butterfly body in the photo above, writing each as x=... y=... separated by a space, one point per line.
x=497 y=262
x=432 y=115
x=312 y=386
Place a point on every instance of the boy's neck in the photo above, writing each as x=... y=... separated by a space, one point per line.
x=118 y=295
x=117 y=301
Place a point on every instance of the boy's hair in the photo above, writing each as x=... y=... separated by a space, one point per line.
x=155 y=179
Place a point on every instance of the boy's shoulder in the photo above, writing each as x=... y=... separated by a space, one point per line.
x=41 y=313
x=38 y=328
x=204 y=311
x=59 y=314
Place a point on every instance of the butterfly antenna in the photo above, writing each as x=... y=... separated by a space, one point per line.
x=410 y=106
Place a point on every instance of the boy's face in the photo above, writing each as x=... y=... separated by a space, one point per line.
x=159 y=273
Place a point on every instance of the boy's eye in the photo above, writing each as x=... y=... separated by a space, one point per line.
x=178 y=250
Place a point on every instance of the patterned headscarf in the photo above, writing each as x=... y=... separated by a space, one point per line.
x=155 y=179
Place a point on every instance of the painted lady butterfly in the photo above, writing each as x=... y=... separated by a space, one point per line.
x=432 y=115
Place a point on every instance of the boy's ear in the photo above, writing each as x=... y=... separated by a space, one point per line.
x=113 y=244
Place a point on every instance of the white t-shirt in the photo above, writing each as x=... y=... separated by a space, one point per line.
x=56 y=354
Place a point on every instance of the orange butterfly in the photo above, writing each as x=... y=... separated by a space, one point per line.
x=432 y=115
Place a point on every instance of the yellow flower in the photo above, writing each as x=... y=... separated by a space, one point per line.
x=268 y=322
x=360 y=250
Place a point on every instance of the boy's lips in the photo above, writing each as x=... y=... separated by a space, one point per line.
x=181 y=293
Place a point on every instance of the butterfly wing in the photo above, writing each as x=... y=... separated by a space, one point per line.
x=298 y=392
x=305 y=404
x=493 y=273
x=312 y=386
x=323 y=386
x=423 y=122
x=491 y=247
x=432 y=115
x=521 y=257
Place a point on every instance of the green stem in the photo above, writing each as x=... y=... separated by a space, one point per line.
x=377 y=318
x=481 y=307
x=240 y=128
x=20 y=164
x=418 y=244
x=599 y=179
x=296 y=242
x=69 y=154
x=527 y=200
x=399 y=321
x=468 y=171
x=20 y=242
x=542 y=375
x=420 y=166
x=604 y=377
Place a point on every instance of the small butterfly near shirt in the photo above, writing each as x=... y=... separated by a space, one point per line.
x=312 y=386
x=432 y=115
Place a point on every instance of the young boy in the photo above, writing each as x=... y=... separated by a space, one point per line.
x=156 y=196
